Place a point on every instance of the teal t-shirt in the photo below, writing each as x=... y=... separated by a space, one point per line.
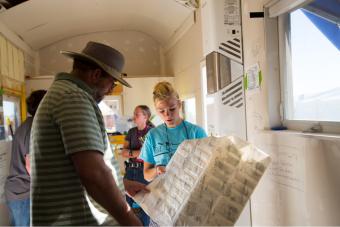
x=161 y=142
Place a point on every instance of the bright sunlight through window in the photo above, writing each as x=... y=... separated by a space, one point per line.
x=315 y=73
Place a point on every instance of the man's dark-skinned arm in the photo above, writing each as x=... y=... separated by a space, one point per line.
x=99 y=182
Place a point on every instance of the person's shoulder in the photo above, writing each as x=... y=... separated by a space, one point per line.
x=67 y=86
x=64 y=91
x=156 y=130
x=27 y=122
x=63 y=86
x=24 y=128
x=152 y=130
x=191 y=125
x=198 y=130
x=131 y=130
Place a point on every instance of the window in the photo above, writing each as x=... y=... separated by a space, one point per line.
x=10 y=116
x=310 y=62
x=189 y=109
x=111 y=110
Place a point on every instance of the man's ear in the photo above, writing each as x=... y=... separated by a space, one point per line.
x=95 y=75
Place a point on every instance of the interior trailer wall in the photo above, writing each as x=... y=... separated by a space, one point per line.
x=141 y=93
x=141 y=52
x=301 y=187
x=37 y=83
x=302 y=184
x=142 y=60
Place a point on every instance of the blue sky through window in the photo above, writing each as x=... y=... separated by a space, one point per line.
x=315 y=60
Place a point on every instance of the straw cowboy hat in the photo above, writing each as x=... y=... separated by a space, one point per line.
x=106 y=57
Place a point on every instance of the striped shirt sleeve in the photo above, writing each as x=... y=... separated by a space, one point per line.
x=78 y=124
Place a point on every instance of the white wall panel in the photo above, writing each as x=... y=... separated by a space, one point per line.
x=141 y=93
x=301 y=186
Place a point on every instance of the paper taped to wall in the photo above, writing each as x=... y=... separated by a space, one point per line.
x=207 y=182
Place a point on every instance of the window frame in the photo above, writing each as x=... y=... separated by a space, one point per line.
x=204 y=93
x=286 y=82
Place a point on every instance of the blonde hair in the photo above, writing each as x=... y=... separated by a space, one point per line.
x=163 y=91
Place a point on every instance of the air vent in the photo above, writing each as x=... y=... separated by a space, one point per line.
x=232 y=48
x=233 y=95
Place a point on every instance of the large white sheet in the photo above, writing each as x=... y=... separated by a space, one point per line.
x=208 y=182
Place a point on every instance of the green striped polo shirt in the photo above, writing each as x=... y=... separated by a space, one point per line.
x=68 y=120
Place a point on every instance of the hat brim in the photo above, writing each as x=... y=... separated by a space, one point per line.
x=111 y=71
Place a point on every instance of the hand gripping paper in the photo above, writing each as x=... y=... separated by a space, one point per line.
x=207 y=182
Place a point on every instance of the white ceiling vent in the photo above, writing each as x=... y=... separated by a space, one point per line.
x=191 y=4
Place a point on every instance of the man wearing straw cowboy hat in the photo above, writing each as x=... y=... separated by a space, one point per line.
x=68 y=143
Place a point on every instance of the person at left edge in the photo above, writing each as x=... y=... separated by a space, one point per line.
x=68 y=142
x=17 y=186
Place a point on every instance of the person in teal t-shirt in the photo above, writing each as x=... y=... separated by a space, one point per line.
x=161 y=142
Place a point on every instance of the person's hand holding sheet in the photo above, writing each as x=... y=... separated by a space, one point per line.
x=133 y=187
x=160 y=170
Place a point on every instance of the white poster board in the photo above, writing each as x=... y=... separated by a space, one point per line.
x=301 y=186
x=208 y=182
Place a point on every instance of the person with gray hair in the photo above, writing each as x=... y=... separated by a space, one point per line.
x=17 y=186
x=69 y=141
